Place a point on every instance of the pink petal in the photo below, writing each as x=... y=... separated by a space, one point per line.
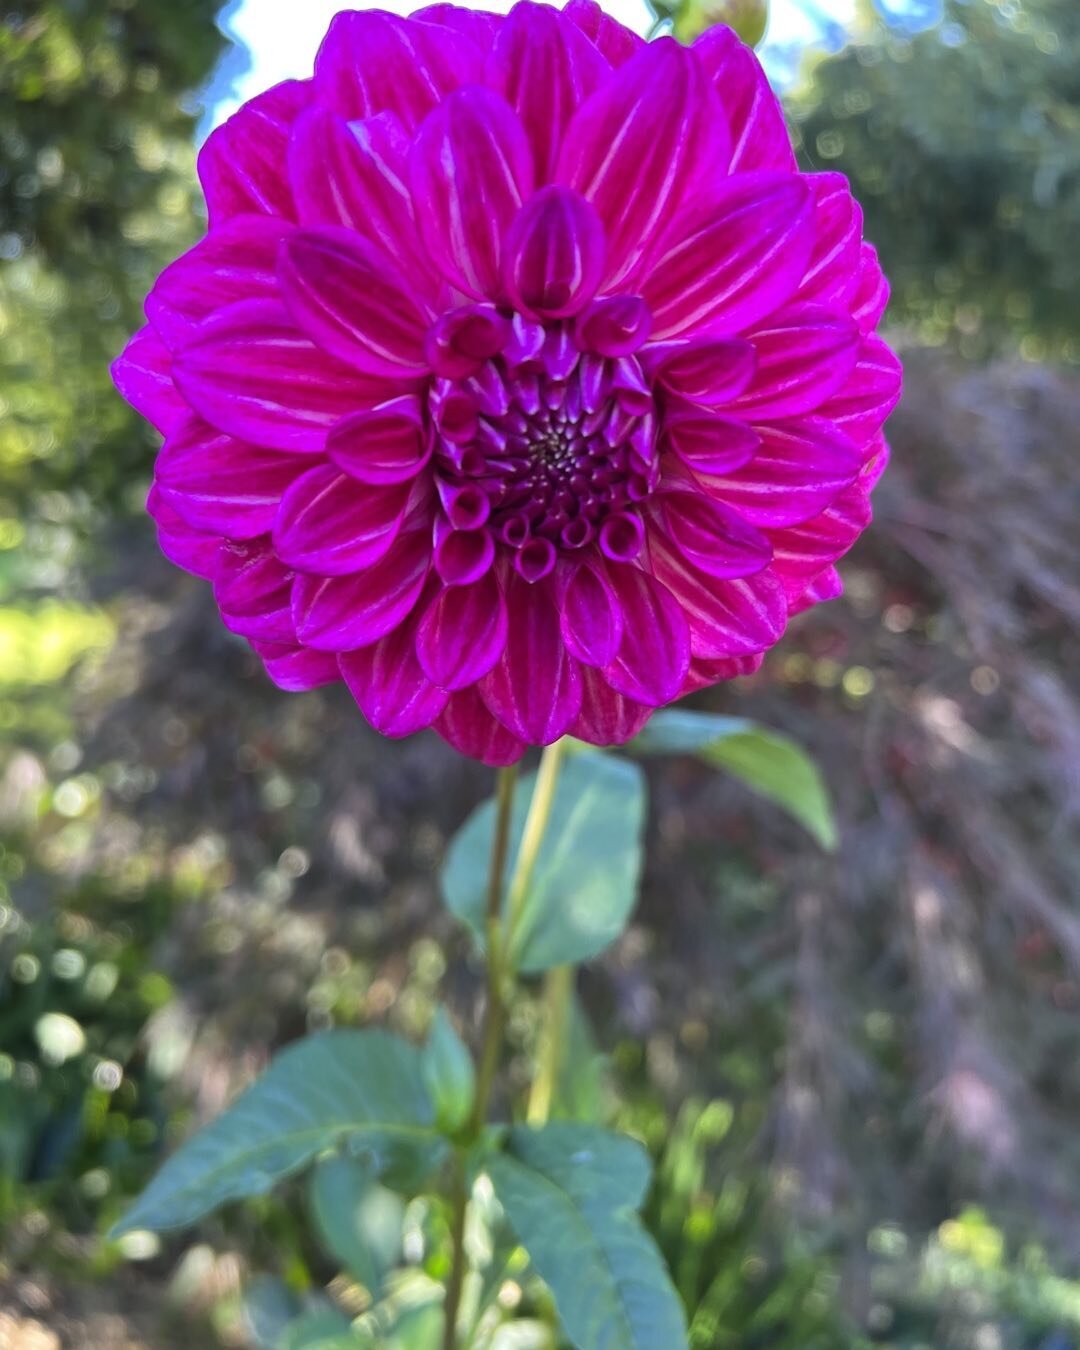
x=827 y=585
x=462 y=633
x=462 y=556
x=708 y=444
x=710 y=371
x=631 y=148
x=297 y=668
x=197 y=553
x=535 y=689
x=471 y=170
x=330 y=524
x=726 y=618
x=872 y=294
x=355 y=175
x=479 y=25
x=606 y=717
x=860 y=408
x=705 y=673
x=143 y=375
x=222 y=485
x=235 y=261
x=615 y=326
x=654 y=653
x=469 y=727
x=254 y=374
x=614 y=42
x=759 y=136
x=351 y=300
x=713 y=536
x=339 y=614
x=388 y=444
x=545 y=67
x=242 y=163
x=591 y=617
x=833 y=272
x=462 y=340
x=804 y=355
x=371 y=62
x=386 y=680
x=252 y=592
x=734 y=256
x=801 y=466
x=803 y=551
x=554 y=255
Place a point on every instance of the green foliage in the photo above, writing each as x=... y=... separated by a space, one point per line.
x=358 y=1090
x=356 y=1220
x=766 y=761
x=570 y=1193
x=448 y=1073
x=963 y=147
x=585 y=883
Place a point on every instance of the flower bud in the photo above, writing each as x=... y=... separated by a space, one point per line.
x=748 y=18
x=447 y=1070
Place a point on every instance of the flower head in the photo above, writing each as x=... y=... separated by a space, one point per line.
x=521 y=380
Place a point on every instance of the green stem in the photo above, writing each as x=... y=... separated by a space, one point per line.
x=494 y=1020
x=536 y=823
x=558 y=988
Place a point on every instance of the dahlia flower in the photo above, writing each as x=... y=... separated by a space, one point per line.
x=521 y=380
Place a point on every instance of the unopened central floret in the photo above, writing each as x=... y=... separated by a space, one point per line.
x=547 y=445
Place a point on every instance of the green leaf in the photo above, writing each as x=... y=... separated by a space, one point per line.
x=361 y=1090
x=357 y=1220
x=766 y=761
x=580 y=1093
x=586 y=877
x=448 y=1073
x=570 y=1193
x=319 y=1329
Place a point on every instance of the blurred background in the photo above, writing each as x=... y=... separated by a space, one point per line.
x=859 y=1075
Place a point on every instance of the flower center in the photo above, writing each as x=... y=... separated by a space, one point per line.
x=541 y=440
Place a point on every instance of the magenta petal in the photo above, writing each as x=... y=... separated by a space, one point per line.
x=392 y=691
x=297 y=668
x=242 y=164
x=726 y=618
x=545 y=67
x=591 y=616
x=732 y=257
x=872 y=294
x=387 y=444
x=554 y=256
x=372 y=62
x=704 y=673
x=339 y=614
x=860 y=408
x=235 y=261
x=478 y=25
x=618 y=325
x=252 y=592
x=708 y=444
x=535 y=689
x=143 y=375
x=254 y=374
x=195 y=552
x=471 y=170
x=462 y=557
x=330 y=524
x=832 y=274
x=759 y=137
x=632 y=153
x=350 y=299
x=710 y=371
x=803 y=551
x=827 y=585
x=462 y=633
x=222 y=485
x=804 y=356
x=613 y=41
x=607 y=717
x=713 y=536
x=469 y=727
x=651 y=662
x=354 y=175
x=801 y=466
